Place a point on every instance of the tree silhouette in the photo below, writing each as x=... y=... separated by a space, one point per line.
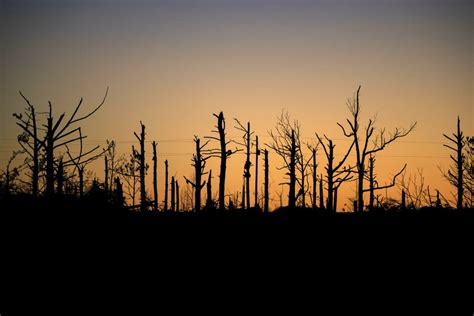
x=266 y=197
x=9 y=175
x=373 y=183
x=143 y=167
x=199 y=164
x=155 y=178
x=80 y=164
x=30 y=141
x=335 y=176
x=209 y=200
x=223 y=153
x=257 y=153
x=129 y=172
x=166 y=186
x=469 y=169
x=286 y=144
x=246 y=143
x=173 y=192
x=455 y=174
x=362 y=149
x=56 y=136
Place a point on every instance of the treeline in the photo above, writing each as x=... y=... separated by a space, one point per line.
x=52 y=161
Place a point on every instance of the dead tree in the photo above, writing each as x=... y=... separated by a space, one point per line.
x=82 y=159
x=177 y=195
x=362 y=149
x=166 y=186
x=129 y=172
x=155 y=177
x=142 y=166
x=455 y=174
x=223 y=153
x=209 y=201
x=172 y=194
x=30 y=141
x=314 y=178
x=265 y=204
x=257 y=153
x=106 y=175
x=56 y=136
x=10 y=174
x=373 y=183
x=245 y=143
x=335 y=176
x=286 y=144
x=199 y=164
x=321 y=192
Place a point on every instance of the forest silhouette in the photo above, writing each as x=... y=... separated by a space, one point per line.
x=45 y=169
x=50 y=214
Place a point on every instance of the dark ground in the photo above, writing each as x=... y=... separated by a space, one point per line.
x=73 y=251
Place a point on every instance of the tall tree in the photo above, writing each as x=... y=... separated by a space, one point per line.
x=223 y=153
x=265 y=204
x=286 y=144
x=335 y=174
x=363 y=138
x=373 y=183
x=143 y=166
x=155 y=178
x=455 y=174
x=246 y=143
x=56 y=135
x=199 y=164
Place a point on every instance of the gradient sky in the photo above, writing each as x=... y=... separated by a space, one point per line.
x=172 y=64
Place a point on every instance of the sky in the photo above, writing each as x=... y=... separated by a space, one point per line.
x=171 y=64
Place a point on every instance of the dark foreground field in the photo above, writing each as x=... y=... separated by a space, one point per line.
x=400 y=257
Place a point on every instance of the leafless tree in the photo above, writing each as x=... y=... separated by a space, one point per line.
x=374 y=185
x=286 y=144
x=459 y=169
x=362 y=148
x=81 y=160
x=10 y=174
x=337 y=174
x=155 y=178
x=247 y=134
x=57 y=135
x=222 y=153
x=143 y=166
x=199 y=164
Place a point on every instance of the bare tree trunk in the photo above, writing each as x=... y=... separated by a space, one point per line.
x=247 y=169
x=172 y=194
x=141 y=139
x=314 y=179
x=50 y=157
x=257 y=153
x=166 y=185
x=106 y=171
x=155 y=177
x=291 y=194
x=460 y=160
x=371 y=183
x=321 y=193
x=330 y=177
x=60 y=178
x=177 y=196
x=221 y=130
x=209 y=202
x=265 y=208
x=81 y=181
